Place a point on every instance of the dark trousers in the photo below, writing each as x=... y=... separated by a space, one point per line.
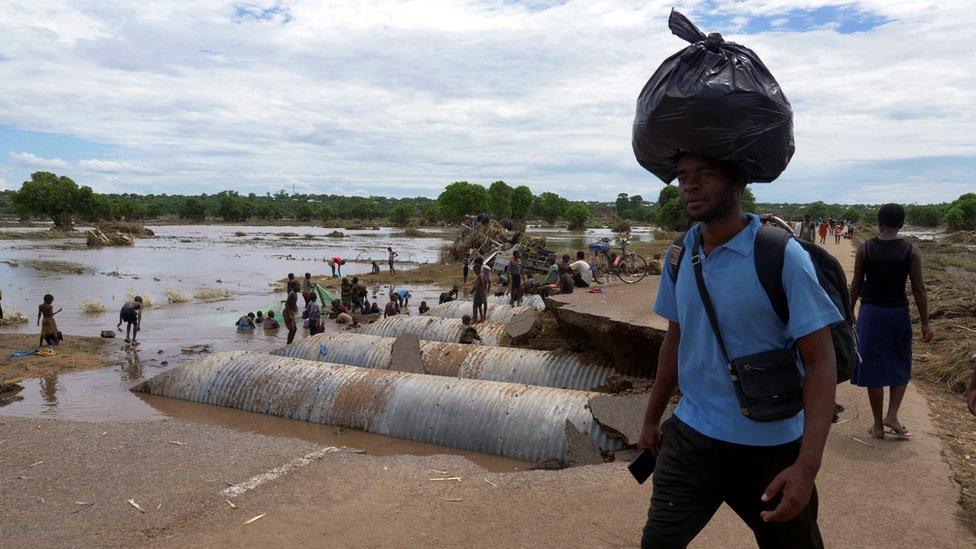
x=516 y=291
x=695 y=474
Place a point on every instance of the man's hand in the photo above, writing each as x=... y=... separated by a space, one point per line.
x=795 y=484
x=926 y=334
x=650 y=439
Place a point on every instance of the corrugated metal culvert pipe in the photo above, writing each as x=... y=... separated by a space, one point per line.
x=434 y=328
x=563 y=369
x=529 y=300
x=496 y=313
x=517 y=421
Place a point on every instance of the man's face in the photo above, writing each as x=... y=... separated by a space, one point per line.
x=705 y=189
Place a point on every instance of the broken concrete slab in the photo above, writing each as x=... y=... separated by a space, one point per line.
x=406 y=356
x=623 y=415
x=580 y=450
x=521 y=326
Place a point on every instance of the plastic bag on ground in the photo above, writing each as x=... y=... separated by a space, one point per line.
x=714 y=98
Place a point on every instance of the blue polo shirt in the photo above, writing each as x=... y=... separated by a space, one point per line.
x=749 y=325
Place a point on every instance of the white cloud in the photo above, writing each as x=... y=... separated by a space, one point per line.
x=383 y=96
x=116 y=166
x=34 y=161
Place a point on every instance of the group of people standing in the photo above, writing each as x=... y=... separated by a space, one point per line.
x=810 y=229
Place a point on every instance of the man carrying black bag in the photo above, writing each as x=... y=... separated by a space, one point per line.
x=757 y=393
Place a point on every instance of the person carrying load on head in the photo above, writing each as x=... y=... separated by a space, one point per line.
x=715 y=119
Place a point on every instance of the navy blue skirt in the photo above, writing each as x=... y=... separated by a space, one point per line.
x=884 y=339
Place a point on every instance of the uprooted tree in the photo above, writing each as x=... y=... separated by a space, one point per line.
x=57 y=197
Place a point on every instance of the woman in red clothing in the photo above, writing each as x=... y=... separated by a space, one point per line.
x=823 y=232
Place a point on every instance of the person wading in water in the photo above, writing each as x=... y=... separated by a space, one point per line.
x=709 y=452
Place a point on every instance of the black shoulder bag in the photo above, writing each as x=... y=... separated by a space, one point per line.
x=767 y=384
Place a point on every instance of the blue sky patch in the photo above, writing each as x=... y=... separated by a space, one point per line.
x=254 y=12
x=51 y=145
x=844 y=19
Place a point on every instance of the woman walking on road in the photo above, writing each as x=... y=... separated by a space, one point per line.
x=884 y=329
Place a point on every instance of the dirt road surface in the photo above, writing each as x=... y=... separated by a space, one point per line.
x=68 y=484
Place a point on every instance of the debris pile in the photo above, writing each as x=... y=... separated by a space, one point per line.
x=134 y=229
x=97 y=238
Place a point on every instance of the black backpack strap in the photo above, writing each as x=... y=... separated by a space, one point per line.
x=696 y=260
x=675 y=254
x=770 y=253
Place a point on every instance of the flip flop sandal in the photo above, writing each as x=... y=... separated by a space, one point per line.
x=903 y=434
x=874 y=434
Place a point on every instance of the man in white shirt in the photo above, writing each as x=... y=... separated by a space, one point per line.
x=582 y=275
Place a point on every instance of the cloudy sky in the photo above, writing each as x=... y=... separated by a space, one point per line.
x=399 y=98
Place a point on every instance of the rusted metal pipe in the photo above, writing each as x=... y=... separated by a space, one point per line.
x=432 y=328
x=496 y=313
x=518 y=421
x=528 y=300
x=562 y=369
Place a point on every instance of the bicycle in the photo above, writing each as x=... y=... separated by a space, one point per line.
x=629 y=267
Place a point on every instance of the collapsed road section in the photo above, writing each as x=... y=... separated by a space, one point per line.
x=524 y=422
x=561 y=369
x=432 y=328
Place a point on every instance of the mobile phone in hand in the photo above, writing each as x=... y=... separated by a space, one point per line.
x=642 y=466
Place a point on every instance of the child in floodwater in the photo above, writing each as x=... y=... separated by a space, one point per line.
x=245 y=323
x=49 y=328
x=423 y=307
x=470 y=333
x=393 y=306
x=374 y=309
x=131 y=314
x=259 y=318
x=376 y=268
x=289 y=312
x=270 y=323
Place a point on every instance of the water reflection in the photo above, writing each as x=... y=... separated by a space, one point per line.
x=49 y=388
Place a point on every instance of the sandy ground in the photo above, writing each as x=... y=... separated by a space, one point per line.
x=67 y=483
x=75 y=353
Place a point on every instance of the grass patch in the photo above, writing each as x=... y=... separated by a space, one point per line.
x=13 y=317
x=177 y=295
x=413 y=232
x=212 y=293
x=92 y=306
x=147 y=300
x=39 y=235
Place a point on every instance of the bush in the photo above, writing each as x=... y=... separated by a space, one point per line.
x=401 y=213
x=961 y=214
x=577 y=215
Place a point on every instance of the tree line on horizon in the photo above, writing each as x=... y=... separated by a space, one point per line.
x=60 y=199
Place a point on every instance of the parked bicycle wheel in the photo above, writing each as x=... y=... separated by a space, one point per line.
x=632 y=268
x=601 y=269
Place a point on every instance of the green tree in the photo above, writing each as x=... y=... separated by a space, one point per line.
x=267 y=210
x=500 y=200
x=926 y=215
x=521 y=202
x=961 y=214
x=749 y=201
x=328 y=213
x=47 y=194
x=462 y=198
x=550 y=206
x=401 y=214
x=622 y=204
x=852 y=215
x=667 y=193
x=304 y=212
x=817 y=210
x=365 y=209
x=636 y=201
x=231 y=207
x=671 y=211
x=431 y=213
x=193 y=210
x=577 y=215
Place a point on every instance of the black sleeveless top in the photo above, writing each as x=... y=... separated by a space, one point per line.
x=886 y=264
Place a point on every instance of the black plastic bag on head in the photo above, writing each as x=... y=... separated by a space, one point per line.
x=714 y=98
